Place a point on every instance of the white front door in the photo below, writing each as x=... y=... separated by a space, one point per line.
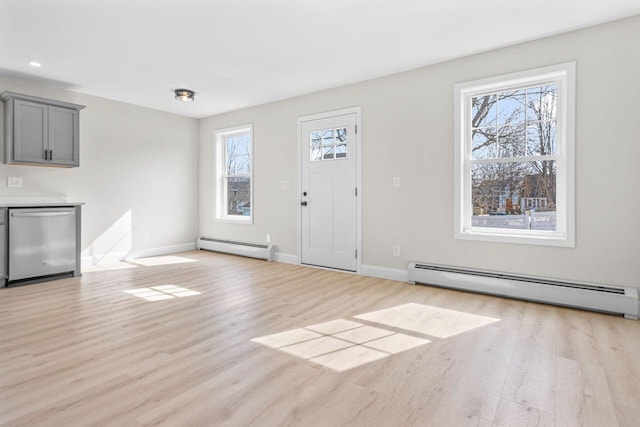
x=329 y=194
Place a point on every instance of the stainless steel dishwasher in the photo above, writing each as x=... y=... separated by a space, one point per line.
x=3 y=247
x=42 y=242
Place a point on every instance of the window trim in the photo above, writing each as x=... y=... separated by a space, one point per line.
x=220 y=208
x=563 y=75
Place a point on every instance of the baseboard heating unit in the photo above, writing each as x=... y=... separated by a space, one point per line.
x=609 y=299
x=252 y=250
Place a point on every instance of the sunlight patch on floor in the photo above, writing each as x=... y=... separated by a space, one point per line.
x=428 y=320
x=158 y=293
x=160 y=260
x=137 y=262
x=285 y=338
x=334 y=326
x=340 y=344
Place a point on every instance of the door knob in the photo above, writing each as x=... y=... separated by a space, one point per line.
x=303 y=203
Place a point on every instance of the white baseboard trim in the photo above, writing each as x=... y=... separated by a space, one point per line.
x=91 y=260
x=384 y=273
x=113 y=257
x=285 y=258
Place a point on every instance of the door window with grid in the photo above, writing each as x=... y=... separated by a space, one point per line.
x=328 y=144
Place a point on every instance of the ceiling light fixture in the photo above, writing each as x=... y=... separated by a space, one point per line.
x=185 y=95
x=35 y=64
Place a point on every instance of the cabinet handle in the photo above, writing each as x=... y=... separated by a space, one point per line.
x=50 y=154
x=46 y=154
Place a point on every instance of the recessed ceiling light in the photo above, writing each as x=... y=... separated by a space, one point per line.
x=185 y=95
x=35 y=64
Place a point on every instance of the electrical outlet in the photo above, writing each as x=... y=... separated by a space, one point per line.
x=396 y=181
x=145 y=236
x=14 y=181
x=268 y=239
x=396 y=250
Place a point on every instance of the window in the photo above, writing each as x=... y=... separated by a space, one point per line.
x=235 y=174
x=515 y=157
x=328 y=144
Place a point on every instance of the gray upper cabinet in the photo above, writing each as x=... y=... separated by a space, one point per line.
x=41 y=131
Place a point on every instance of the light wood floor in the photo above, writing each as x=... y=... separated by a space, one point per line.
x=249 y=345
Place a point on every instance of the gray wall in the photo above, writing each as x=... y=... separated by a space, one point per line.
x=408 y=132
x=137 y=174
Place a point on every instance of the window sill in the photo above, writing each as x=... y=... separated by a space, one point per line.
x=243 y=220
x=497 y=235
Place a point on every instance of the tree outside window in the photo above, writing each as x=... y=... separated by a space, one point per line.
x=518 y=126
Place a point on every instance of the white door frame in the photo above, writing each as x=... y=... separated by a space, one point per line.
x=358 y=112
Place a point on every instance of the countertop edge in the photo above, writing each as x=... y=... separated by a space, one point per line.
x=39 y=205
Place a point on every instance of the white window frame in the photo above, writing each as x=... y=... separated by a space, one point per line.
x=221 y=190
x=562 y=75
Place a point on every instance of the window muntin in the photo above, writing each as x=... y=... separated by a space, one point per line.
x=235 y=186
x=514 y=157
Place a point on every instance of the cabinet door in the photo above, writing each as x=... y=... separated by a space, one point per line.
x=63 y=135
x=30 y=132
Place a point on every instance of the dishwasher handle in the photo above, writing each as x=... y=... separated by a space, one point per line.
x=41 y=214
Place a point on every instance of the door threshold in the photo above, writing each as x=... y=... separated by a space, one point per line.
x=322 y=267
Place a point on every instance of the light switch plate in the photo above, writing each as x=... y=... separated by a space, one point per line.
x=396 y=181
x=284 y=185
x=14 y=181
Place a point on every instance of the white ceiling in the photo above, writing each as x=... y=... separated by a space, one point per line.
x=239 y=53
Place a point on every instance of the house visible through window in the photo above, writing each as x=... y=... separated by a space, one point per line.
x=514 y=157
x=234 y=166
